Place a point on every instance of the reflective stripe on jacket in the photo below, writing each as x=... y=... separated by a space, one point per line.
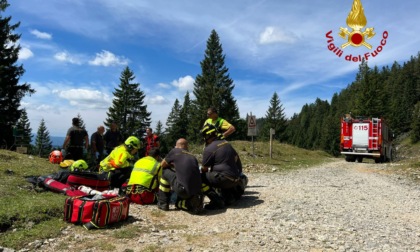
x=146 y=172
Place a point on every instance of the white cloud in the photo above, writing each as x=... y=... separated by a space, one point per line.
x=158 y=100
x=106 y=58
x=184 y=83
x=25 y=53
x=44 y=107
x=84 y=98
x=66 y=57
x=41 y=35
x=273 y=35
x=164 y=85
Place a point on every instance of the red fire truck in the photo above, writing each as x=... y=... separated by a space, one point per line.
x=363 y=137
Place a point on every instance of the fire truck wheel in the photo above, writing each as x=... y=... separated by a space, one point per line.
x=350 y=158
x=359 y=159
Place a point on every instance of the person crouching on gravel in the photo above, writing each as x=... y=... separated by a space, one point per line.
x=221 y=166
x=181 y=175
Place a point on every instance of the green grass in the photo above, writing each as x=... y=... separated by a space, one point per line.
x=408 y=157
x=27 y=215
x=256 y=157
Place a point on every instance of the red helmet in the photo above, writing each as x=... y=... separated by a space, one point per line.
x=56 y=157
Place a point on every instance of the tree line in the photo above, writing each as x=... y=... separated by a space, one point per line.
x=391 y=92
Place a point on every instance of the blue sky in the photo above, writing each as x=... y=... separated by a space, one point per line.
x=74 y=51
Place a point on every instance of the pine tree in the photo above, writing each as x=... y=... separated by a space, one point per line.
x=415 y=124
x=330 y=132
x=241 y=129
x=213 y=87
x=81 y=122
x=330 y=135
x=173 y=129
x=159 y=128
x=274 y=119
x=164 y=146
x=292 y=129
x=128 y=109
x=362 y=85
x=185 y=118
x=11 y=92
x=320 y=111
x=43 y=142
x=24 y=130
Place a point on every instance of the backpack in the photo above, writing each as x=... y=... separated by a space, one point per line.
x=92 y=212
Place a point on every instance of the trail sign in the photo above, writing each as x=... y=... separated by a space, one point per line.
x=252 y=125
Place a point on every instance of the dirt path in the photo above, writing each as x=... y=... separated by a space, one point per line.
x=337 y=206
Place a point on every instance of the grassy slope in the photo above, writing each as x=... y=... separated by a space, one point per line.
x=27 y=215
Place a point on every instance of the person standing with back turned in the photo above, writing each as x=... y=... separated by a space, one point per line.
x=113 y=138
x=97 y=145
x=75 y=138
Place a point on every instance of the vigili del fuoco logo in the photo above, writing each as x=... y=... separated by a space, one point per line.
x=356 y=35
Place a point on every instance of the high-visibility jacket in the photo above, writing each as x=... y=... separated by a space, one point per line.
x=146 y=172
x=119 y=158
x=221 y=124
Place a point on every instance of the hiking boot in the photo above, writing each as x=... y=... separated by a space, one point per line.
x=214 y=206
x=215 y=200
x=195 y=204
x=229 y=199
x=163 y=206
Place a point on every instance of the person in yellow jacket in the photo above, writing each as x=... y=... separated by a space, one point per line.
x=223 y=127
x=118 y=162
x=143 y=185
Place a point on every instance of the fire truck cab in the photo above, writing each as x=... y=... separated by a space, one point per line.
x=364 y=137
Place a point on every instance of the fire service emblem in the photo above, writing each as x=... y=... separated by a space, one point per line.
x=356 y=35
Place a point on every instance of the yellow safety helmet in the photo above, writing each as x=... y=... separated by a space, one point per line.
x=79 y=165
x=133 y=142
x=66 y=163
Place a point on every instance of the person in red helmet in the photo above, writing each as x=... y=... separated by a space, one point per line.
x=56 y=157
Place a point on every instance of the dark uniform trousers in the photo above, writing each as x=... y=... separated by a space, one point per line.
x=228 y=187
x=184 y=201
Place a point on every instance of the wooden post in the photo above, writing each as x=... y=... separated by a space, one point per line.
x=272 y=132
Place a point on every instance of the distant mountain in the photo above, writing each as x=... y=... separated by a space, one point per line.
x=56 y=141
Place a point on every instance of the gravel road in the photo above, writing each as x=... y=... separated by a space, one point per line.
x=336 y=206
